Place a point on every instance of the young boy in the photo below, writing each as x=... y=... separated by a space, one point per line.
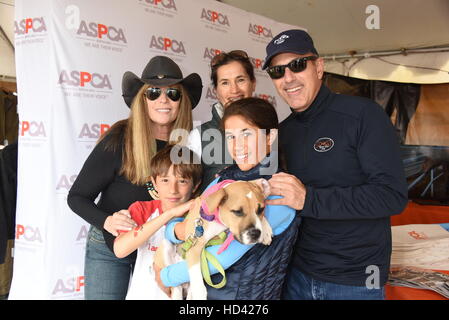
x=175 y=185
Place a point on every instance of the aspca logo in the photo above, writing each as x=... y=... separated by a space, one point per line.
x=35 y=129
x=211 y=93
x=215 y=17
x=65 y=182
x=257 y=63
x=260 y=31
x=93 y=131
x=28 y=233
x=28 y=25
x=323 y=144
x=271 y=99
x=101 y=31
x=166 y=4
x=167 y=44
x=69 y=285
x=209 y=53
x=82 y=79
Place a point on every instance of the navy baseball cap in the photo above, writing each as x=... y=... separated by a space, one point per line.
x=295 y=41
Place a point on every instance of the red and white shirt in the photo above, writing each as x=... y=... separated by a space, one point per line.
x=143 y=285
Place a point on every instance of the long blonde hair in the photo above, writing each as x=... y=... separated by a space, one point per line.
x=139 y=144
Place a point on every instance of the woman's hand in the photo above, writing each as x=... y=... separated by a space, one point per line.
x=120 y=220
x=290 y=188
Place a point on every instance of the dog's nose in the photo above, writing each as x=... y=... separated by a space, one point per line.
x=254 y=234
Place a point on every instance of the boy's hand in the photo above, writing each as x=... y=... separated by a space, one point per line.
x=180 y=210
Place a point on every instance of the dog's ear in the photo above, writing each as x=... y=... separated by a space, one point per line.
x=263 y=185
x=267 y=232
x=214 y=200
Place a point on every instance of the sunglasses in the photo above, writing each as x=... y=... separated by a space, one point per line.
x=234 y=54
x=297 y=65
x=174 y=94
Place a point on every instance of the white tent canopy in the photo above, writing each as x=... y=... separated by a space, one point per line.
x=341 y=32
x=340 y=29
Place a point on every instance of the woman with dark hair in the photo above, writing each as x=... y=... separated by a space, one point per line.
x=232 y=76
x=160 y=102
x=252 y=271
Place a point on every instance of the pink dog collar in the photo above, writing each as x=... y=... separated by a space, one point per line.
x=210 y=216
x=204 y=210
x=226 y=244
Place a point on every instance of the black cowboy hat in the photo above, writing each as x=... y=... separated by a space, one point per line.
x=162 y=72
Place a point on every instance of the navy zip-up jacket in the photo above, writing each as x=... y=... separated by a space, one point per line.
x=346 y=152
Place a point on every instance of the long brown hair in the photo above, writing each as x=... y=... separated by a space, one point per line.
x=139 y=144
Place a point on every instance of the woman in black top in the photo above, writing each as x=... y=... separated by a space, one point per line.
x=118 y=168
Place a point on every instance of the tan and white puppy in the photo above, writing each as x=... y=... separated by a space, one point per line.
x=240 y=207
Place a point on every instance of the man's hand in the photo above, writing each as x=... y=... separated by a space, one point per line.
x=159 y=282
x=120 y=220
x=290 y=188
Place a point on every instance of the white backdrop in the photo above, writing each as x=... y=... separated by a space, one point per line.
x=70 y=57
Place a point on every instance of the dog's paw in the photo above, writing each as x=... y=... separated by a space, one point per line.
x=176 y=293
x=189 y=294
x=197 y=293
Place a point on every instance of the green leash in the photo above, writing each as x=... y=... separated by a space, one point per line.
x=207 y=257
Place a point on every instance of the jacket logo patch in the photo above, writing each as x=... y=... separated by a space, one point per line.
x=323 y=144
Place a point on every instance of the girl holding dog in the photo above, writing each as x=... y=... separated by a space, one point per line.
x=160 y=101
x=252 y=271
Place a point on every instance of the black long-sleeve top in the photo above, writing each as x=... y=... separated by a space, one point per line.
x=100 y=174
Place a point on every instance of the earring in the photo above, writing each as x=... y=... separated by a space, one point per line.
x=152 y=190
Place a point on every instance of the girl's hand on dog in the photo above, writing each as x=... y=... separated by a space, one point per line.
x=120 y=220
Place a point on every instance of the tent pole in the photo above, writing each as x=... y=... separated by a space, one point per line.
x=7 y=39
x=384 y=53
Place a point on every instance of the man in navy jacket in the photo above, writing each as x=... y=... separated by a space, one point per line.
x=345 y=178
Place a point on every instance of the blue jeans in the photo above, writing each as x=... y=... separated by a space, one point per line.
x=106 y=277
x=300 y=286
